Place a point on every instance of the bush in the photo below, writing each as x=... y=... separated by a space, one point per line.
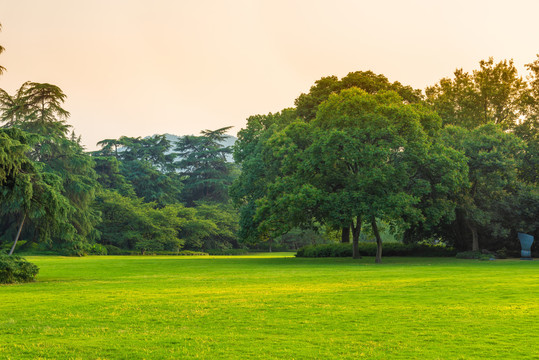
x=475 y=255
x=14 y=269
x=369 y=249
x=98 y=249
x=178 y=253
x=114 y=250
x=227 y=251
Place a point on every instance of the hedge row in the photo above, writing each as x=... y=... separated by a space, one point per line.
x=227 y=251
x=369 y=249
x=113 y=250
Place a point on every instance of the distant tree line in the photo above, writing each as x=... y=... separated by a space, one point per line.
x=135 y=194
x=456 y=164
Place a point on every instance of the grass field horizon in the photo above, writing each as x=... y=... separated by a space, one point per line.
x=271 y=306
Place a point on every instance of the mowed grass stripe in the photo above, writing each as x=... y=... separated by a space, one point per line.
x=272 y=307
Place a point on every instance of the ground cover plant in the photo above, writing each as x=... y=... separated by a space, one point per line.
x=272 y=306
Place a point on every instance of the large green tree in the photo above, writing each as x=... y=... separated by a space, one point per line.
x=491 y=94
x=488 y=210
x=365 y=160
x=307 y=104
x=30 y=196
x=38 y=111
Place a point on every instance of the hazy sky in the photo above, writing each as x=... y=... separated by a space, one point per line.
x=141 y=67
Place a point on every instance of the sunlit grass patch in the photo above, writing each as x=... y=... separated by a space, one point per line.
x=271 y=306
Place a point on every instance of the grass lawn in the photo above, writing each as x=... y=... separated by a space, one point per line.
x=272 y=307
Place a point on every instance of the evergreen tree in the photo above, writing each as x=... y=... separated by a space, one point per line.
x=203 y=164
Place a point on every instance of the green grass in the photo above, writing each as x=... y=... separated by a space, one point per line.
x=272 y=307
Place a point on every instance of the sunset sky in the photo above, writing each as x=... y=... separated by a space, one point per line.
x=140 y=67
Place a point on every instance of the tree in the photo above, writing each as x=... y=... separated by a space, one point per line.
x=362 y=159
x=307 y=104
x=145 y=164
x=110 y=177
x=528 y=129
x=203 y=164
x=29 y=195
x=357 y=162
x=150 y=184
x=38 y=111
x=491 y=94
x=258 y=170
x=225 y=219
x=493 y=160
x=128 y=223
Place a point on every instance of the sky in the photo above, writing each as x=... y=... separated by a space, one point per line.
x=141 y=67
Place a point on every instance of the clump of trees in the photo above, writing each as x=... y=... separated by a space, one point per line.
x=457 y=166
x=134 y=194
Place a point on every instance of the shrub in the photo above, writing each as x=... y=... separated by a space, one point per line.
x=98 y=249
x=369 y=249
x=14 y=269
x=476 y=255
x=114 y=250
x=178 y=253
x=227 y=251
x=501 y=253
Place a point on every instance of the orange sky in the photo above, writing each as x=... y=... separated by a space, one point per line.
x=140 y=67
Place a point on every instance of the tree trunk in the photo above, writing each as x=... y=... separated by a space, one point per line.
x=356 y=231
x=18 y=234
x=345 y=235
x=378 y=259
x=475 y=239
x=269 y=245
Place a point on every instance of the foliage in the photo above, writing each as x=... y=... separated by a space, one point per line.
x=139 y=166
x=492 y=94
x=307 y=104
x=253 y=153
x=202 y=161
x=492 y=207
x=225 y=218
x=109 y=176
x=128 y=223
x=364 y=157
x=61 y=186
x=150 y=184
x=28 y=192
x=14 y=269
